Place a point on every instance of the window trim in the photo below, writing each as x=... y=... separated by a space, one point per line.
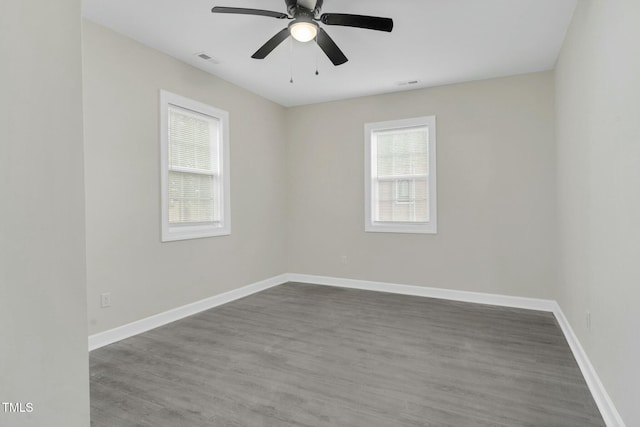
x=175 y=232
x=429 y=227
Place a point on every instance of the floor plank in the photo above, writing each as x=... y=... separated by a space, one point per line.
x=307 y=355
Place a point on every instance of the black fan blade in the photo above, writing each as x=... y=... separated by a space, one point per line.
x=360 y=21
x=243 y=11
x=271 y=44
x=330 y=48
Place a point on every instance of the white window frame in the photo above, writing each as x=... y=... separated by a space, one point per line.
x=172 y=232
x=429 y=227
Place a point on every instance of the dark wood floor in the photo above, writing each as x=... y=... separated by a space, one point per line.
x=305 y=355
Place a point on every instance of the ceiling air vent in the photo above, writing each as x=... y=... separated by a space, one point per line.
x=207 y=57
x=407 y=83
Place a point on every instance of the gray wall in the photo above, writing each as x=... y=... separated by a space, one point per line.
x=598 y=138
x=496 y=189
x=43 y=332
x=122 y=79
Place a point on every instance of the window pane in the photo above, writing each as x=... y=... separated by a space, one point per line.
x=192 y=198
x=402 y=151
x=193 y=140
x=402 y=200
x=402 y=172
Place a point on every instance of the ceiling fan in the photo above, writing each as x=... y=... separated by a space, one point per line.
x=305 y=15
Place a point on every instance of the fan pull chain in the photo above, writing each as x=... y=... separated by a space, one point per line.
x=291 y=60
x=316 y=40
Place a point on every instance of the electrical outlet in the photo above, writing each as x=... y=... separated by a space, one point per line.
x=588 y=320
x=344 y=260
x=105 y=300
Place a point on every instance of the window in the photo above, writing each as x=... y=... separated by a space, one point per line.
x=400 y=176
x=194 y=142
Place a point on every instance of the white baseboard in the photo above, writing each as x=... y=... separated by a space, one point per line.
x=125 y=331
x=422 y=291
x=607 y=409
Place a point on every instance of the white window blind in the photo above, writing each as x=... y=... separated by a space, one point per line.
x=195 y=169
x=401 y=175
x=194 y=184
x=400 y=179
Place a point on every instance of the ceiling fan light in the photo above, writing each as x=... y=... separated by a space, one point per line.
x=303 y=31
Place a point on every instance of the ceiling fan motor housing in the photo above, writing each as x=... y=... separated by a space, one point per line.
x=296 y=10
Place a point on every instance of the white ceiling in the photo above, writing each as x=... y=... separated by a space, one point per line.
x=435 y=42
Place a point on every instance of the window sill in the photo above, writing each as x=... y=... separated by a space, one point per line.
x=422 y=228
x=173 y=234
